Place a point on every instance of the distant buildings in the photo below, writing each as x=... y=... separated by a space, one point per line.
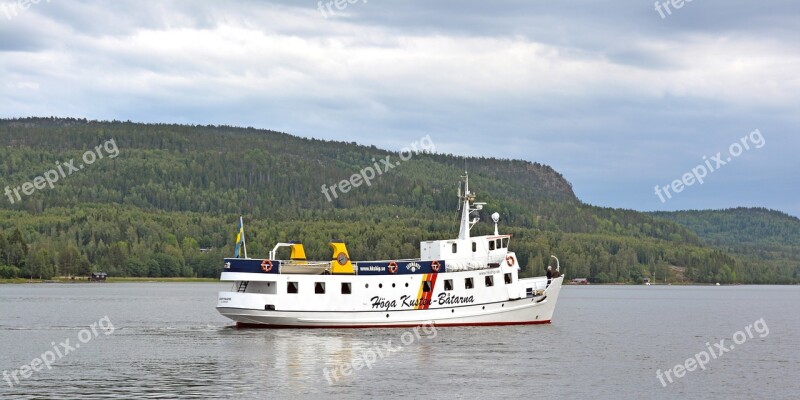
x=98 y=276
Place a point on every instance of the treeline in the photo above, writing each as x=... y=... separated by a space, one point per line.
x=765 y=242
x=125 y=241
x=168 y=205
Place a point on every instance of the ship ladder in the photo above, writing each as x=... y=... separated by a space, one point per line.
x=242 y=286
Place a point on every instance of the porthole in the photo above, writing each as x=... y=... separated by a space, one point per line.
x=406 y=284
x=387 y=315
x=366 y=286
x=452 y=310
x=380 y=286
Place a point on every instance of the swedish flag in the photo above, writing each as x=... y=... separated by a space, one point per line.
x=240 y=241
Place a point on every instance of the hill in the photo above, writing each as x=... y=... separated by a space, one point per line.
x=163 y=200
x=759 y=238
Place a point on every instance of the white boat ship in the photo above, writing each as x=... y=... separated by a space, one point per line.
x=456 y=282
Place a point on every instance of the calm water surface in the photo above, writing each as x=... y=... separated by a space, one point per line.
x=168 y=341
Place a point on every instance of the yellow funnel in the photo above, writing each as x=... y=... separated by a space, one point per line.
x=341 y=259
x=298 y=252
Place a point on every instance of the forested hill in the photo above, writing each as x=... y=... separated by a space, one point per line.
x=757 y=236
x=167 y=204
x=740 y=226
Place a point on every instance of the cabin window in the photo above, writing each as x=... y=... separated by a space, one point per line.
x=455 y=248
x=291 y=287
x=489 y=281
x=426 y=287
x=474 y=247
x=319 y=288
x=469 y=283
x=508 y=278
x=491 y=245
x=448 y=285
x=346 y=288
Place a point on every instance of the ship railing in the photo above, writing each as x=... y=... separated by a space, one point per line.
x=534 y=286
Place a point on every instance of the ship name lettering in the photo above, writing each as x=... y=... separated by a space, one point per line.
x=446 y=298
x=380 y=302
x=407 y=301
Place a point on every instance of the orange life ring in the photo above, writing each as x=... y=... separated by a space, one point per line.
x=393 y=267
x=510 y=260
x=435 y=265
x=266 y=265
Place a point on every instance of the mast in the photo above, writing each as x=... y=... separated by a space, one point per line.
x=244 y=242
x=465 y=201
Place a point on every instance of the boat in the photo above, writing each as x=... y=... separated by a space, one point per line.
x=466 y=281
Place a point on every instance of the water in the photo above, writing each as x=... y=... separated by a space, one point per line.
x=164 y=340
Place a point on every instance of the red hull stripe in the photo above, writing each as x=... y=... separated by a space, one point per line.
x=243 y=325
x=427 y=296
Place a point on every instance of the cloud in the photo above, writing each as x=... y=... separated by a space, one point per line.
x=610 y=94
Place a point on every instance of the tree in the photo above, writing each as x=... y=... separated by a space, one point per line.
x=17 y=251
x=3 y=249
x=41 y=264
x=69 y=260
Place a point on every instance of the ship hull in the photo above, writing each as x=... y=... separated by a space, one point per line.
x=536 y=309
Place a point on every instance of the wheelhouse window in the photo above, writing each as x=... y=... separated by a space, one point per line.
x=508 y=278
x=491 y=245
x=469 y=283
x=347 y=288
x=505 y=243
x=455 y=248
x=448 y=285
x=499 y=243
x=319 y=287
x=291 y=287
x=489 y=281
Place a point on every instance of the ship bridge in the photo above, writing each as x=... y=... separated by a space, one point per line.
x=467 y=254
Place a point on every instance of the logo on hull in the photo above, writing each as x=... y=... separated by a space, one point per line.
x=413 y=267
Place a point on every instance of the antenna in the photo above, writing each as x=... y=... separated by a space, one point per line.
x=458 y=208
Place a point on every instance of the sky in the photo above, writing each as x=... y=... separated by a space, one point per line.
x=620 y=97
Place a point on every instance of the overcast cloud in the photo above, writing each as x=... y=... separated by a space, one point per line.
x=612 y=95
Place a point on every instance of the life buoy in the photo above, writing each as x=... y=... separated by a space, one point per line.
x=510 y=260
x=435 y=266
x=393 y=267
x=266 y=265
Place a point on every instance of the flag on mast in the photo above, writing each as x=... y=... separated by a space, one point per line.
x=240 y=242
